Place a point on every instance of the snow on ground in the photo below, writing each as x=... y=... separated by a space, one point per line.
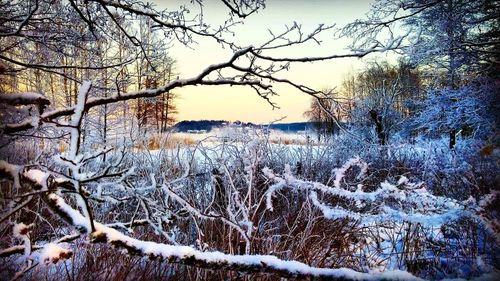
x=246 y=134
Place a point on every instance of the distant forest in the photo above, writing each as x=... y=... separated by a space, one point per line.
x=208 y=125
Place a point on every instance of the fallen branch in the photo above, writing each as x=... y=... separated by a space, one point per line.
x=213 y=260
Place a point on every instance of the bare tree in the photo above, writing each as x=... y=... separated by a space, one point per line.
x=379 y=94
x=452 y=39
x=325 y=113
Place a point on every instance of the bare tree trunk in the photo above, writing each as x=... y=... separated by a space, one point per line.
x=165 y=111
x=379 y=127
x=453 y=138
x=452 y=63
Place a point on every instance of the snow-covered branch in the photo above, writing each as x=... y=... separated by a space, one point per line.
x=24 y=99
x=189 y=256
x=404 y=201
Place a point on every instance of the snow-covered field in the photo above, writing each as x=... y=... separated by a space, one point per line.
x=246 y=134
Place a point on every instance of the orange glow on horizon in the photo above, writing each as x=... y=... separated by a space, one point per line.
x=240 y=103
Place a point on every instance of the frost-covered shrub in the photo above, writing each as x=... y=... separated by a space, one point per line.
x=470 y=110
x=332 y=210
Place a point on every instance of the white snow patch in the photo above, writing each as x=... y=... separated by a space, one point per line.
x=40 y=177
x=53 y=253
x=20 y=230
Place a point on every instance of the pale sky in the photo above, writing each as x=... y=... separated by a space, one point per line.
x=238 y=103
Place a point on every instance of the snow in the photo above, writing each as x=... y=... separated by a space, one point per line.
x=76 y=217
x=12 y=170
x=413 y=204
x=170 y=252
x=416 y=203
x=199 y=214
x=21 y=231
x=340 y=172
x=402 y=180
x=333 y=213
x=80 y=104
x=23 y=98
x=53 y=253
x=294 y=267
x=280 y=183
x=77 y=117
x=38 y=177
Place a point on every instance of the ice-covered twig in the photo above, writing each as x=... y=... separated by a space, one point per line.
x=19 y=249
x=197 y=213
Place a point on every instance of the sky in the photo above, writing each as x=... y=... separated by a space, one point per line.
x=240 y=103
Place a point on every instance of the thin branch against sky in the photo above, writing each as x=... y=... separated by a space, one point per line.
x=233 y=103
